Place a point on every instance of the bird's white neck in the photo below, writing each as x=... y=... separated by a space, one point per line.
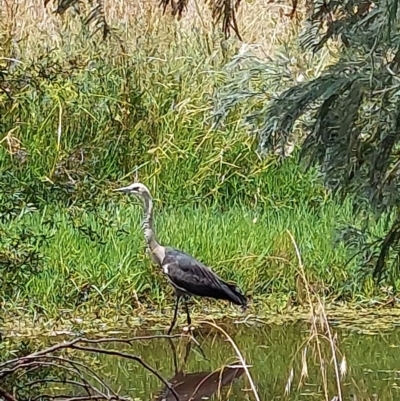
x=157 y=252
x=147 y=224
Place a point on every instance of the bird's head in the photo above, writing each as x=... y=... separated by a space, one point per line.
x=136 y=188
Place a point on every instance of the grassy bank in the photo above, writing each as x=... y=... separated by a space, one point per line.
x=98 y=258
x=87 y=116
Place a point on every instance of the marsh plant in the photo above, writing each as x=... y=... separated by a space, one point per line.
x=81 y=116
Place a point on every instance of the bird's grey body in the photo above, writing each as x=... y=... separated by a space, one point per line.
x=185 y=273
x=191 y=277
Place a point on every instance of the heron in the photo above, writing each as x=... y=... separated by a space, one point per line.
x=187 y=275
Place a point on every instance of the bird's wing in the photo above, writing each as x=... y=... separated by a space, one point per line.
x=193 y=276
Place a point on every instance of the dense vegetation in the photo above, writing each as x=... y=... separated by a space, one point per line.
x=348 y=110
x=80 y=116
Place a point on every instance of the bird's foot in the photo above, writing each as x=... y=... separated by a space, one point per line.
x=187 y=329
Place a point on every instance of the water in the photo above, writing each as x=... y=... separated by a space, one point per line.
x=372 y=363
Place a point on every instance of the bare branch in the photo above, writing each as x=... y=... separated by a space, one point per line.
x=77 y=372
x=6 y=395
x=73 y=371
x=131 y=357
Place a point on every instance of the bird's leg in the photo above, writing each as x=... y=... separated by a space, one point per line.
x=191 y=328
x=189 y=320
x=178 y=297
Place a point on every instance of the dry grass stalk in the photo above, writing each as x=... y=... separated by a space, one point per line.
x=318 y=315
x=239 y=355
x=263 y=23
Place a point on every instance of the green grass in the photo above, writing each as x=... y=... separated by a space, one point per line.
x=248 y=246
x=66 y=135
x=86 y=117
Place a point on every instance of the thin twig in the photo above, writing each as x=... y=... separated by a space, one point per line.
x=131 y=357
x=49 y=350
x=76 y=369
x=79 y=398
x=65 y=381
x=68 y=344
x=240 y=356
x=129 y=340
x=6 y=395
x=73 y=370
x=85 y=384
x=62 y=360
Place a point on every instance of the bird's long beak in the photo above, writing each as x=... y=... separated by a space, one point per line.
x=122 y=189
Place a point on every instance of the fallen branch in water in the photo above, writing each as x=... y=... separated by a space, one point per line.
x=74 y=373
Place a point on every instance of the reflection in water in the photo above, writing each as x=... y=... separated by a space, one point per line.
x=199 y=385
x=372 y=364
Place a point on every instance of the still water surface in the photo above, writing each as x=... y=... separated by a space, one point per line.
x=372 y=364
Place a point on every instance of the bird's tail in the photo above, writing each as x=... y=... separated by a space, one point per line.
x=236 y=296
